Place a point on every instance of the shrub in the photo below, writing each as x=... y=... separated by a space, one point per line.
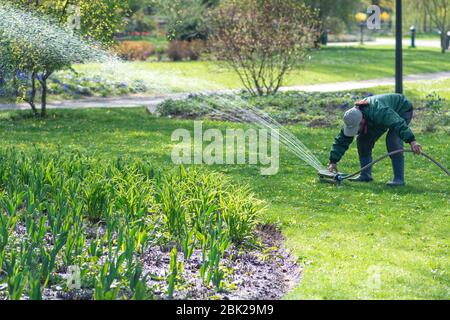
x=177 y=50
x=263 y=40
x=434 y=101
x=196 y=47
x=135 y=50
x=314 y=109
x=185 y=19
x=183 y=50
x=434 y=116
x=70 y=85
x=141 y=23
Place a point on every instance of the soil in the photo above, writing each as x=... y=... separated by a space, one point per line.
x=267 y=273
x=320 y=123
x=264 y=272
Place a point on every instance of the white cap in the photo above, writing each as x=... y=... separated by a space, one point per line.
x=352 y=121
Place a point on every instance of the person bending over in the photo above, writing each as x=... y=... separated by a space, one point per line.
x=369 y=119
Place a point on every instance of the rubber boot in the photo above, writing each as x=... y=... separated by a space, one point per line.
x=365 y=175
x=398 y=166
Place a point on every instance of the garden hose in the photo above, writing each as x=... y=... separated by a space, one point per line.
x=394 y=153
x=339 y=177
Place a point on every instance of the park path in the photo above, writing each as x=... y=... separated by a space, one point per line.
x=152 y=101
x=428 y=43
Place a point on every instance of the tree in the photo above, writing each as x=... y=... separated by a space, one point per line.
x=262 y=40
x=185 y=18
x=334 y=14
x=101 y=19
x=141 y=18
x=36 y=40
x=439 y=12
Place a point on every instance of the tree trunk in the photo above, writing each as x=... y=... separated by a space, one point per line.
x=14 y=85
x=443 y=41
x=33 y=93
x=44 y=98
x=425 y=28
x=43 y=82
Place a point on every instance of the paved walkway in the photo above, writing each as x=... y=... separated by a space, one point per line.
x=391 y=42
x=365 y=84
x=152 y=101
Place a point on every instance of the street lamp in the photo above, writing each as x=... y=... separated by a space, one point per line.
x=447 y=45
x=385 y=17
x=361 y=18
x=324 y=37
x=413 y=36
x=398 y=48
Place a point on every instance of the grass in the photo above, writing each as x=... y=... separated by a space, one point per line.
x=419 y=90
x=330 y=64
x=421 y=36
x=340 y=235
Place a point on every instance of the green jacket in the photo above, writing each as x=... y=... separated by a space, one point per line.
x=383 y=112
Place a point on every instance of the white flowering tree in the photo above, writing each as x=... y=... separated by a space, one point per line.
x=37 y=45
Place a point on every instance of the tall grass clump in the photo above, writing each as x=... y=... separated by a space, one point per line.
x=66 y=209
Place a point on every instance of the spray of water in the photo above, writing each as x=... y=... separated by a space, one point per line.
x=157 y=82
x=36 y=33
x=61 y=43
x=238 y=110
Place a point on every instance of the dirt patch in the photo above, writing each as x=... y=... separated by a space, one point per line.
x=320 y=123
x=266 y=273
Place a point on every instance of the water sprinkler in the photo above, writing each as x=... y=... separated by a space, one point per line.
x=331 y=177
x=337 y=177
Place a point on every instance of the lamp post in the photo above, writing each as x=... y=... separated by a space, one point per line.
x=361 y=18
x=324 y=37
x=413 y=36
x=386 y=18
x=447 y=45
x=398 y=48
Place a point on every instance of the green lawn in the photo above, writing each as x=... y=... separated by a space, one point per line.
x=419 y=90
x=421 y=36
x=330 y=64
x=339 y=234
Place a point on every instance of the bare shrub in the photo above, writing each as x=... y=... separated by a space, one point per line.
x=262 y=40
x=184 y=50
x=135 y=50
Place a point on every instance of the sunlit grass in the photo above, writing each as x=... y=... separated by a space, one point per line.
x=420 y=90
x=341 y=236
x=330 y=64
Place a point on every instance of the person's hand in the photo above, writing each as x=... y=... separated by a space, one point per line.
x=416 y=148
x=332 y=167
